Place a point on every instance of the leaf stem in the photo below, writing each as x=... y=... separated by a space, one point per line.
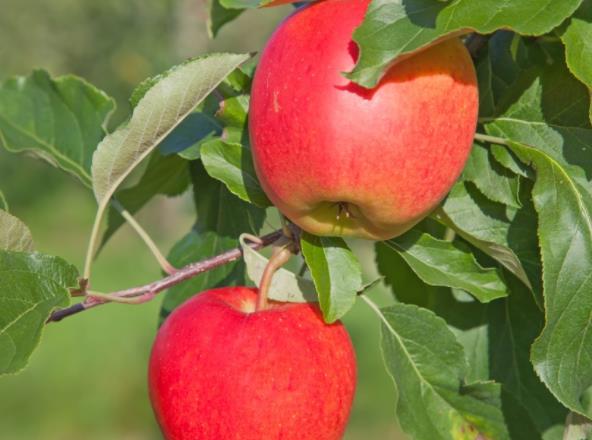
x=92 y=243
x=150 y=290
x=162 y=261
x=491 y=139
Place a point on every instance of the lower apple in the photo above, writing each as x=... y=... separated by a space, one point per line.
x=220 y=370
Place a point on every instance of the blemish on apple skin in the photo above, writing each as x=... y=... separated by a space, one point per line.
x=276 y=104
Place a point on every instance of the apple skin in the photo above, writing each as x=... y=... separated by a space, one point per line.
x=221 y=371
x=341 y=160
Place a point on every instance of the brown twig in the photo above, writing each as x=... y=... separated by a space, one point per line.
x=148 y=291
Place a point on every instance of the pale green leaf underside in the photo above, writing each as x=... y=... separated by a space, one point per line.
x=159 y=111
x=61 y=120
x=14 y=234
x=285 y=285
x=31 y=286
x=336 y=273
x=396 y=27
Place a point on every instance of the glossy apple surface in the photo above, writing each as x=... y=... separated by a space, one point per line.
x=221 y=371
x=341 y=160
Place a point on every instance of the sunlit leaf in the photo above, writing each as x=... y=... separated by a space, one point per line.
x=31 y=286
x=336 y=273
x=61 y=120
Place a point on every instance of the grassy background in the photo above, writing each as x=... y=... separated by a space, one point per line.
x=87 y=380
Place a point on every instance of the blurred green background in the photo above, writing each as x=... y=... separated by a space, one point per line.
x=87 y=380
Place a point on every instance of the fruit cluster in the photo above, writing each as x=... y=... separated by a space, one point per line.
x=336 y=159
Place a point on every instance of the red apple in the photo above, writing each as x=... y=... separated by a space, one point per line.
x=221 y=371
x=338 y=159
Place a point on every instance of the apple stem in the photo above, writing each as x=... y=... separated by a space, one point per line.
x=281 y=254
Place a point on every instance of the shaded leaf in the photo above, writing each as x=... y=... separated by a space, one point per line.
x=190 y=133
x=232 y=164
x=221 y=211
x=61 y=120
x=219 y=16
x=393 y=28
x=3 y=202
x=514 y=324
x=548 y=109
x=506 y=234
x=444 y=263
x=336 y=273
x=31 y=286
x=495 y=182
x=507 y=159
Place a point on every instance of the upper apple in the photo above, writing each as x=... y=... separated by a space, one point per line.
x=338 y=159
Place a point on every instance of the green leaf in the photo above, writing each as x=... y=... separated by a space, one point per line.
x=562 y=355
x=577 y=38
x=168 y=175
x=164 y=104
x=548 y=109
x=506 y=234
x=219 y=16
x=393 y=28
x=336 y=273
x=221 y=211
x=428 y=367
x=60 y=120
x=508 y=56
x=494 y=336
x=451 y=264
x=513 y=325
x=495 y=182
x=233 y=115
x=14 y=234
x=508 y=160
x=31 y=286
x=197 y=246
x=285 y=286
x=221 y=219
x=466 y=317
x=232 y=164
